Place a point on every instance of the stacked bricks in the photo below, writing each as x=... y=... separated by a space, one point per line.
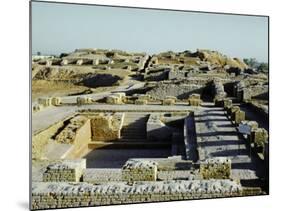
x=236 y=114
x=194 y=100
x=140 y=102
x=69 y=133
x=142 y=96
x=259 y=137
x=45 y=101
x=66 y=171
x=64 y=194
x=139 y=170
x=116 y=98
x=83 y=100
x=56 y=101
x=169 y=100
x=142 y=99
x=37 y=107
x=216 y=168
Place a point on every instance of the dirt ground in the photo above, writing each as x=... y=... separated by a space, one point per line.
x=41 y=88
x=44 y=88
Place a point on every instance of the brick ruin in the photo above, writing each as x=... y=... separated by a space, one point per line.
x=184 y=125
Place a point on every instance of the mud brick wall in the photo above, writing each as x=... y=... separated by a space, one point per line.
x=61 y=195
x=68 y=134
x=216 y=168
x=68 y=170
x=107 y=127
x=139 y=170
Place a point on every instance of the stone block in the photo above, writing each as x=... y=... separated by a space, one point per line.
x=83 y=100
x=65 y=171
x=144 y=97
x=107 y=127
x=194 y=96
x=216 y=168
x=114 y=99
x=238 y=116
x=140 y=102
x=46 y=101
x=37 y=107
x=169 y=102
x=56 y=101
x=259 y=137
x=64 y=62
x=79 y=62
x=139 y=170
x=194 y=102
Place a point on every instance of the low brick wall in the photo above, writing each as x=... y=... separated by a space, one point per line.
x=139 y=170
x=61 y=195
x=69 y=170
x=216 y=168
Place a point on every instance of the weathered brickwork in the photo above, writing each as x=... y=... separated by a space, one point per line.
x=139 y=170
x=66 y=171
x=216 y=168
x=60 y=195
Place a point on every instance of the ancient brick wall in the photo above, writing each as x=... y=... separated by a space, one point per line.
x=60 y=195
x=107 y=127
x=68 y=170
x=139 y=170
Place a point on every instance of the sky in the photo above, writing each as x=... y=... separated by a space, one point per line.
x=58 y=28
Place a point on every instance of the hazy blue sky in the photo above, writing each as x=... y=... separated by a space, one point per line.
x=58 y=28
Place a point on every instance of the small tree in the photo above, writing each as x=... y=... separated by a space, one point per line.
x=263 y=67
x=251 y=62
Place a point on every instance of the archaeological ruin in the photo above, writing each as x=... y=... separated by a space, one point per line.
x=113 y=127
